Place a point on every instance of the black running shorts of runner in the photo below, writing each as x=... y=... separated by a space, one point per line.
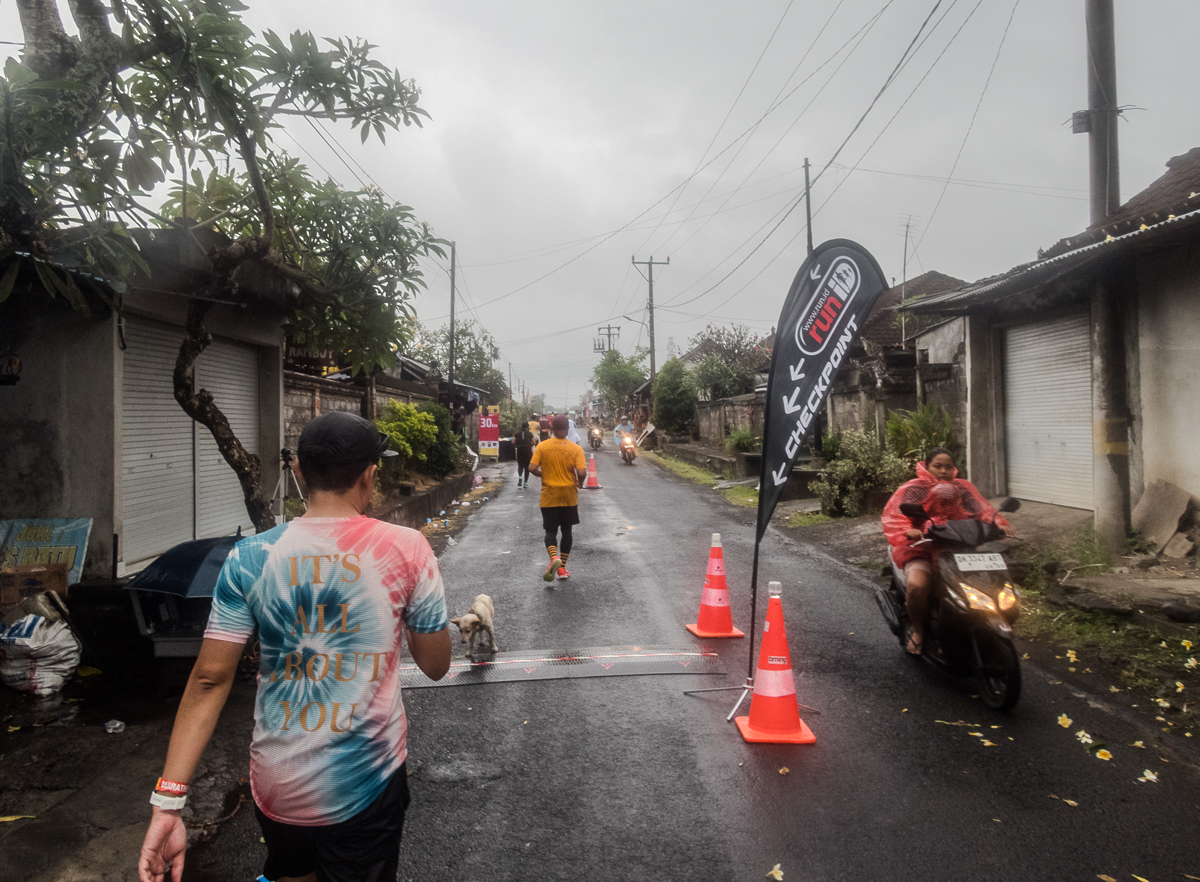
x=364 y=847
x=560 y=516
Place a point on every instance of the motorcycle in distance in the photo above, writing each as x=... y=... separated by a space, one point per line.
x=973 y=604
x=595 y=437
x=628 y=449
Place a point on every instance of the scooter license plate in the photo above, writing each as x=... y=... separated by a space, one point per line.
x=972 y=563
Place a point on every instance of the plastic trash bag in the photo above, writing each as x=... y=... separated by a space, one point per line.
x=37 y=655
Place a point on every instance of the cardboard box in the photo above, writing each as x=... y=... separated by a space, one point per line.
x=18 y=583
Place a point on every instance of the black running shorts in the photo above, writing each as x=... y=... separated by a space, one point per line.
x=364 y=848
x=560 y=516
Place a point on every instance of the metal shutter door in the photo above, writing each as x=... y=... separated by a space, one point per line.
x=1048 y=409
x=156 y=445
x=230 y=372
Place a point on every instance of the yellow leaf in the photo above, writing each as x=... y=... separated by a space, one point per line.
x=1065 y=721
x=976 y=734
x=1104 y=755
x=1186 y=644
x=1138 y=744
x=1072 y=803
x=1106 y=878
x=1139 y=878
x=7 y=818
x=775 y=873
x=987 y=743
x=784 y=770
x=13 y=728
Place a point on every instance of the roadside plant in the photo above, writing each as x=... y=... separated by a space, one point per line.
x=911 y=433
x=831 y=446
x=674 y=398
x=742 y=441
x=862 y=466
x=714 y=379
x=442 y=456
x=413 y=433
x=513 y=415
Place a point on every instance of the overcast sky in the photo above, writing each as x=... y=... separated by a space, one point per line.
x=561 y=134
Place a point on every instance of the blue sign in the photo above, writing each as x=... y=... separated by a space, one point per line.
x=28 y=542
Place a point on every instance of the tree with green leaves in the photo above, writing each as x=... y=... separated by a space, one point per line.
x=91 y=124
x=475 y=356
x=617 y=376
x=674 y=397
x=730 y=358
x=713 y=379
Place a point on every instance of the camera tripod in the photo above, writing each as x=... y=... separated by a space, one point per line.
x=281 y=486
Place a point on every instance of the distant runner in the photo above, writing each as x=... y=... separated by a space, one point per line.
x=524 y=442
x=544 y=423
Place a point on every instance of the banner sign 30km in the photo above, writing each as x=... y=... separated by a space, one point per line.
x=824 y=312
x=489 y=431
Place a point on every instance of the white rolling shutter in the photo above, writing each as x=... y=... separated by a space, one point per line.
x=1048 y=411
x=156 y=445
x=230 y=372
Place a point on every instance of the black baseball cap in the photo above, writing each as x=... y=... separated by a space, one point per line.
x=339 y=437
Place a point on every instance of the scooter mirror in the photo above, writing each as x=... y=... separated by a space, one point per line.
x=1009 y=505
x=914 y=511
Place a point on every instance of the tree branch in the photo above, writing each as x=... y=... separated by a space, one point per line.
x=49 y=52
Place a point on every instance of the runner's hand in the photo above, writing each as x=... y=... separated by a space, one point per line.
x=914 y=535
x=165 y=843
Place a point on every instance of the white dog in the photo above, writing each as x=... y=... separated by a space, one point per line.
x=477 y=621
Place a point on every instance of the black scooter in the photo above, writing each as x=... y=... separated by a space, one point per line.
x=628 y=449
x=973 y=604
x=595 y=437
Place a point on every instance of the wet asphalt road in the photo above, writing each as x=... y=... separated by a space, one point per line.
x=627 y=778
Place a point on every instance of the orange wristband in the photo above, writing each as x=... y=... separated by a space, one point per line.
x=171 y=787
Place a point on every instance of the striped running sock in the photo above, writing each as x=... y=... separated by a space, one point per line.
x=553 y=549
x=563 y=557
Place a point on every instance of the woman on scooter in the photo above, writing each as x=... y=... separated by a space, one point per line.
x=945 y=497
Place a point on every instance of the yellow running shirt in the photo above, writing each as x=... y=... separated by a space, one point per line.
x=558 y=458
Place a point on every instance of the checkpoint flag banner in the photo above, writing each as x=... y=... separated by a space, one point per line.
x=824 y=312
x=489 y=431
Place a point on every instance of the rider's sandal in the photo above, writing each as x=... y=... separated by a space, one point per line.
x=914 y=647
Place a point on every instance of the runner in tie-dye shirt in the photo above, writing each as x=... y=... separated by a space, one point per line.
x=330 y=596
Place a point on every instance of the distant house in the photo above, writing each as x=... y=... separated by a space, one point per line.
x=91 y=427
x=881 y=372
x=1081 y=366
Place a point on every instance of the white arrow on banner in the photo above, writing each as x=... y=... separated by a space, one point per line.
x=779 y=476
x=795 y=370
x=816 y=272
x=790 y=406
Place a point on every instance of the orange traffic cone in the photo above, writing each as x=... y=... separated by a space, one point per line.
x=593 y=482
x=774 y=712
x=715 y=618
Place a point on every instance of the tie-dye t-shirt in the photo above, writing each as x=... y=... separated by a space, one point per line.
x=330 y=599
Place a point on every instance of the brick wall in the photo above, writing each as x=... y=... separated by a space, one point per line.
x=305 y=397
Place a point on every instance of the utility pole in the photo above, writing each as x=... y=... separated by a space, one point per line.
x=650 y=265
x=510 y=385
x=608 y=331
x=807 y=207
x=451 y=318
x=1099 y=121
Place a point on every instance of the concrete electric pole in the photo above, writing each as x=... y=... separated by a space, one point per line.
x=650 y=265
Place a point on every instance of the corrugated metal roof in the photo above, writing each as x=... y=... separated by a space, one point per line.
x=1051 y=269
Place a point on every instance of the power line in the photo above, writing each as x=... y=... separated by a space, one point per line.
x=971 y=125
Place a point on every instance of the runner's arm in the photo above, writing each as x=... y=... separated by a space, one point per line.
x=431 y=652
x=580 y=477
x=207 y=689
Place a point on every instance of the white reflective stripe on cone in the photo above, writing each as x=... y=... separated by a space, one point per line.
x=774 y=684
x=714 y=597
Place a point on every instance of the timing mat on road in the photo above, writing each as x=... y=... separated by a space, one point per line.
x=569 y=664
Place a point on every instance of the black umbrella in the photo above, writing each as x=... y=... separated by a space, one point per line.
x=190 y=569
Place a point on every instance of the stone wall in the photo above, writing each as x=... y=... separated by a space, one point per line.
x=716 y=419
x=305 y=397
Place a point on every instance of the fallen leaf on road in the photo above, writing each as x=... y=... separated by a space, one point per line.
x=1138 y=744
x=1053 y=796
x=1072 y=670
x=1065 y=721
x=1113 y=689
x=775 y=873
x=959 y=723
x=1071 y=655
x=904 y=711
x=1179 y=687
x=784 y=770
x=1104 y=755
x=1084 y=737
x=976 y=734
x=1186 y=644
x=1106 y=878
x=13 y=728
x=996 y=727
x=987 y=743
x=1191 y=663
x=1163 y=644
x=6 y=818
x=1139 y=878
x=1162 y=702
x=1148 y=776
x=1025 y=656
x=1072 y=803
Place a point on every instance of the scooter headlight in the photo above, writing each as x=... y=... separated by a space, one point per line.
x=977 y=598
x=1008 y=597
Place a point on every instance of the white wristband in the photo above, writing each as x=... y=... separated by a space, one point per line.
x=169 y=803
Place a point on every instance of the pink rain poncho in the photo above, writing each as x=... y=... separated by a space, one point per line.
x=943 y=501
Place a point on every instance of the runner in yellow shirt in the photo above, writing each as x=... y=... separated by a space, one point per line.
x=562 y=467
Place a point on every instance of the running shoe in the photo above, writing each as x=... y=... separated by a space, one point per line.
x=563 y=575
x=555 y=564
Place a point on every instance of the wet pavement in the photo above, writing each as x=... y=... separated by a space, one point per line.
x=627 y=778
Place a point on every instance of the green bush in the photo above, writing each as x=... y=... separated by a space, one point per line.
x=911 y=433
x=862 y=465
x=831 y=446
x=443 y=456
x=513 y=416
x=741 y=441
x=674 y=398
x=413 y=433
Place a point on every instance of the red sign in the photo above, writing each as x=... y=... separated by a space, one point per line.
x=489 y=431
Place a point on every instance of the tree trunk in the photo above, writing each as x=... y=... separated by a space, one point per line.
x=199 y=405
